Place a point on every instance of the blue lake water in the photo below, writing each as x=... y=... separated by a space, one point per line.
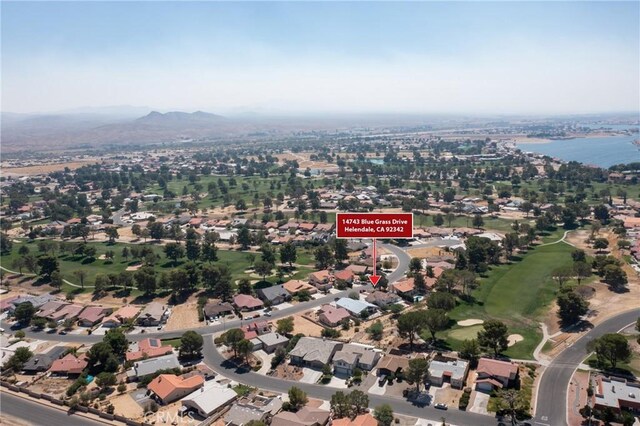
x=604 y=152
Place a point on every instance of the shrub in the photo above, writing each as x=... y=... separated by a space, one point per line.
x=464 y=399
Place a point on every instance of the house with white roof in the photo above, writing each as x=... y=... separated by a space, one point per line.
x=356 y=307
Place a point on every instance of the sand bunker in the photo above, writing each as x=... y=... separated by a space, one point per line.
x=469 y=322
x=134 y=267
x=514 y=338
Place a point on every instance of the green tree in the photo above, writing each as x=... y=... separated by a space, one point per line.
x=478 y=221
x=470 y=351
x=262 y=268
x=340 y=405
x=48 y=264
x=415 y=265
x=612 y=348
x=285 y=325
x=435 y=320
x=376 y=330
x=24 y=312
x=191 y=345
x=410 y=324
x=192 y=246
x=493 y=336
x=38 y=322
x=244 y=238
x=145 y=278
x=232 y=338
x=218 y=279
x=571 y=306
x=244 y=286
x=105 y=380
x=112 y=234
x=324 y=257
x=244 y=349
x=340 y=250
x=581 y=270
x=383 y=414
x=288 y=254
x=118 y=342
x=18 y=359
x=297 y=398
x=417 y=372
x=615 y=276
x=174 y=251
x=441 y=300
x=209 y=252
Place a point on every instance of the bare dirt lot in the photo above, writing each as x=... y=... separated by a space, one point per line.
x=54 y=386
x=42 y=169
x=126 y=406
x=184 y=316
x=306 y=327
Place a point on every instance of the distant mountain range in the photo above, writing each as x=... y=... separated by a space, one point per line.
x=25 y=131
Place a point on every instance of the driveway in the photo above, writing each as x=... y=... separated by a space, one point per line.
x=310 y=375
x=479 y=402
x=376 y=389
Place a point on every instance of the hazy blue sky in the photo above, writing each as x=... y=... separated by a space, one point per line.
x=468 y=57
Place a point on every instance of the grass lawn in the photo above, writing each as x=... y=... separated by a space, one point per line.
x=463 y=221
x=464 y=333
x=173 y=342
x=238 y=263
x=517 y=294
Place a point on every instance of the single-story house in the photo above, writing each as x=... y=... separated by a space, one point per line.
x=356 y=307
x=358 y=269
x=345 y=276
x=210 y=399
x=252 y=407
x=148 y=348
x=274 y=295
x=453 y=370
x=121 y=316
x=495 y=374
x=296 y=286
x=392 y=364
x=332 y=316
x=217 y=309
x=68 y=365
x=167 y=388
x=353 y=356
x=322 y=280
x=306 y=416
x=245 y=302
x=92 y=315
x=313 y=352
x=152 y=315
x=40 y=363
x=50 y=308
x=404 y=288
x=616 y=394
x=66 y=312
x=382 y=298
x=361 y=420
x=272 y=341
x=146 y=367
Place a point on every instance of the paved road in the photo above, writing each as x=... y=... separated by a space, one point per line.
x=39 y=414
x=551 y=408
